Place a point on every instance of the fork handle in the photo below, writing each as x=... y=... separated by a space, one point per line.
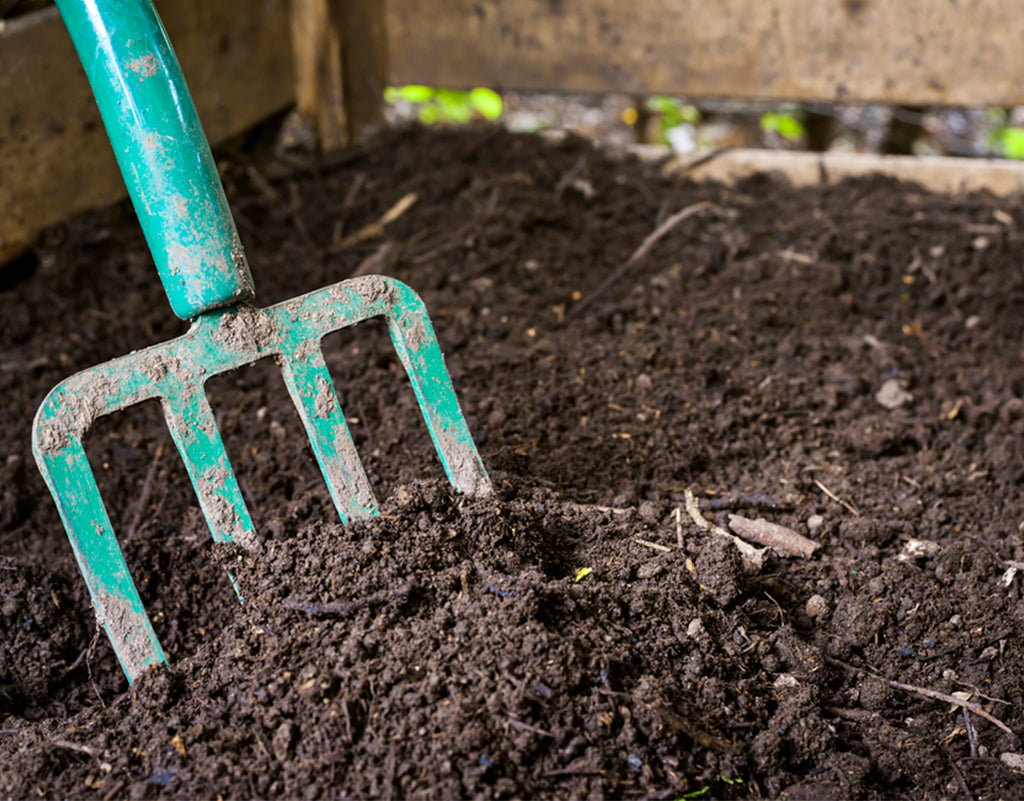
x=162 y=152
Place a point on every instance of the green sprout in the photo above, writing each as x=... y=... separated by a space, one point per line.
x=434 y=105
x=672 y=113
x=705 y=790
x=582 y=573
x=785 y=122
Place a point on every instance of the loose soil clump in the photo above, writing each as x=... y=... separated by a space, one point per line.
x=841 y=361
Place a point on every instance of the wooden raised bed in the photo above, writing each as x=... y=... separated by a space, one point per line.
x=245 y=61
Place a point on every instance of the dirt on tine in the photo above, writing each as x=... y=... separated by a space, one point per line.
x=578 y=634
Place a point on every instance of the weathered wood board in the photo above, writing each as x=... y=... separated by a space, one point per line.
x=55 y=160
x=340 y=57
x=929 y=52
x=944 y=175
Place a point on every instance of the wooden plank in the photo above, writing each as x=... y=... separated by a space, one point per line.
x=929 y=52
x=319 y=69
x=340 y=49
x=366 y=64
x=940 y=174
x=55 y=160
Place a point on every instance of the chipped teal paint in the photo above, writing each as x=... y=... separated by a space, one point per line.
x=163 y=154
x=176 y=372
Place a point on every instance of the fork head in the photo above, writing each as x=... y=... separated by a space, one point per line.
x=175 y=372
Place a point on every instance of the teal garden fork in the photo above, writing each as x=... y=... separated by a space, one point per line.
x=173 y=183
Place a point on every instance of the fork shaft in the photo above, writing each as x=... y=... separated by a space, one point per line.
x=162 y=151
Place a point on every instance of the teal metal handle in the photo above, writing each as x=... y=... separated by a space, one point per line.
x=162 y=151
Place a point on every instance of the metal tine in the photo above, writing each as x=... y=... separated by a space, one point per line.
x=194 y=431
x=309 y=383
x=415 y=342
x=118 y=606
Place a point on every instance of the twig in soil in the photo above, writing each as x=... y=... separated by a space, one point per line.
x=680 y=723
x=638 y=254
x=979 y=693
x=573 y=772
x=572 y=179
x=849 y=506
x=782 y=615
x=655 y=545
x=454 y=241
x=348 y=721
x=330 y=753
x=78 y=661
x=147 y=488
x=924 y=692
x=328 y=609
x=501 y=257
x=88 y=665
x=755 y=556
x=780 y=539
x=353 y=190
x=16 y=365
x=377 y=262
x=963 y=782
x=757 y=501
x=988 y=547
x=972 y=737
x=70 y=746
x=588 y=507
x=375 y=229
x=518 y=724
x=270 y=195
x=340 y=609
x=693 y=165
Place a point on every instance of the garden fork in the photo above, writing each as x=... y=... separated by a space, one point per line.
x=173 y=182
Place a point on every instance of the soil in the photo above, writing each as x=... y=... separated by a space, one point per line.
x=842 y=361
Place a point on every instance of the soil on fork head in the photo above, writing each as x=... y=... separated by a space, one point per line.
x=844 y=362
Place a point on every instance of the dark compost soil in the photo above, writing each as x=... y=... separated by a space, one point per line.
x=844 y=361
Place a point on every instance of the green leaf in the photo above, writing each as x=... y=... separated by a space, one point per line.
x=582 y=573
x=1012 y=141
x=453 y=105
x=415 y=94
x=487 y=102
x=672 y=113
x=785 y=125
x=662 y=105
